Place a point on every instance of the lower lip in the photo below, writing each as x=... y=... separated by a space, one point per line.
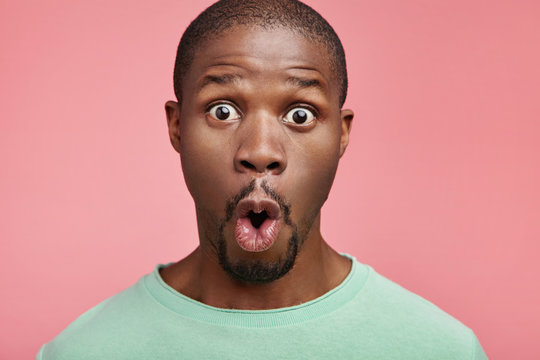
x=253 y=239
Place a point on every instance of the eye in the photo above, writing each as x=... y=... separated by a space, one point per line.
x=223 y=112
x=299 y=116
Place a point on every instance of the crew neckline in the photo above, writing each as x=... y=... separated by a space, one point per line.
x=190 y=308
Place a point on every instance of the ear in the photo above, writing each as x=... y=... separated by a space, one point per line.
x=346 y=121
x=172 y=110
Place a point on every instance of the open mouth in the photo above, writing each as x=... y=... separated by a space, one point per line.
x=257 y=219
x=257 y=224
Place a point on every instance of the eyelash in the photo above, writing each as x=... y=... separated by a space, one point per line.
x=305 y=106
x=221 y=102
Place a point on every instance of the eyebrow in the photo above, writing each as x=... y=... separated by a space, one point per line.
x=219 y=79
x=231 y=78
x=304 y=82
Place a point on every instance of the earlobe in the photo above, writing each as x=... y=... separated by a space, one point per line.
x=172 y=110
x=346 y=122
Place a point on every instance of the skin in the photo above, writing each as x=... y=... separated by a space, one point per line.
x=262 y=74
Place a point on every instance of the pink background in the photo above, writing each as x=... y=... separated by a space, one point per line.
x=439 y=189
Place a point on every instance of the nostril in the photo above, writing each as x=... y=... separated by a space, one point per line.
x=258 y=166
x=247 y=164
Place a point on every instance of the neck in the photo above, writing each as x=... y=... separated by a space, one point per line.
x=317 y=270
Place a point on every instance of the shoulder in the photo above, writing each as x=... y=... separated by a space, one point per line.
x=395 y=300
x=408 y=321
x=103 y=324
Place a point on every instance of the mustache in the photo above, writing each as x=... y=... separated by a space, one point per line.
x=268 y=190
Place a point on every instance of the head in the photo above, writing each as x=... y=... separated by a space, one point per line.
x=259 y=128
x=288 y=14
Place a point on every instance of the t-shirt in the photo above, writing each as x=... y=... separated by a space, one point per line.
x=366 y=317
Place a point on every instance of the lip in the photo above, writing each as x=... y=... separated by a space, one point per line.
x=257 y=206
x=262 y=237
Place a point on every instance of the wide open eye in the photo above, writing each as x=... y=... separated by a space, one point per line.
x=223 y=112
x=299 y=116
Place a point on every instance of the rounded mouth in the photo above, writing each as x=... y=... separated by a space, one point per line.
x=256 y=207
x=257 y=224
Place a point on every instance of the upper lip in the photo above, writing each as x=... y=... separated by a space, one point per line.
x=245 y=206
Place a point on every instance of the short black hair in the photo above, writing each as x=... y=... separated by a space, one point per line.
x=268 y=14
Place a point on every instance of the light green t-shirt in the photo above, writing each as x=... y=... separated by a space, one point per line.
x=365 y=317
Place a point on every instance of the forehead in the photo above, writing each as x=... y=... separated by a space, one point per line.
x=265 y=52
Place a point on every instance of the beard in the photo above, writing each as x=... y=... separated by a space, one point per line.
x=256 y=270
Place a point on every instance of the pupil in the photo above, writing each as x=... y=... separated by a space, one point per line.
x=222 y=113
x=299 y=116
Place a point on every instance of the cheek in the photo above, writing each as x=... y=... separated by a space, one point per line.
x=206 y=166
x=314 y=173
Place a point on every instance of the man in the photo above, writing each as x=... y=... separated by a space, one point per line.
x=260 y=129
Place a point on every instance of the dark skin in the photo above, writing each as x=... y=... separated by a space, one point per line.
x=261 y=78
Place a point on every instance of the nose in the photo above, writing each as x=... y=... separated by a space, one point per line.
x=261 y=148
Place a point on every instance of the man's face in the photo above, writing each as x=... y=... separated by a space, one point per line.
x=260 y=133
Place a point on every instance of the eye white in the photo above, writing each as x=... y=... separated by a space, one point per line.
x=299 y=116
x=223 y=112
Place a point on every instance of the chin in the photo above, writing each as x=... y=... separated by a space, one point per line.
x=258 y=267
